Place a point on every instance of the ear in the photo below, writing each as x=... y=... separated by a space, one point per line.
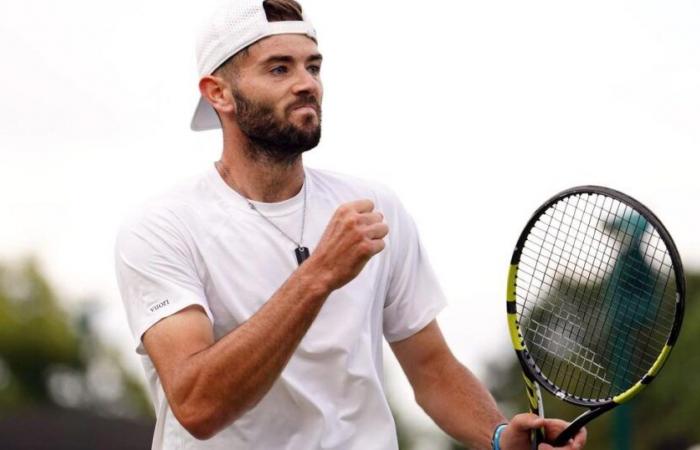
x=218 y=93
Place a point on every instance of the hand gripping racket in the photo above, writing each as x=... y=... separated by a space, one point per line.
x=595 y=301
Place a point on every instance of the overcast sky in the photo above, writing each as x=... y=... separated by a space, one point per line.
x=474 y=112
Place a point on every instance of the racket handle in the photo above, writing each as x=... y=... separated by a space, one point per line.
x=536 y=438
x=564 y=437
x=534 y=397
x=537 y=435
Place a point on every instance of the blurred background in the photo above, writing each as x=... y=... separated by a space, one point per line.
x=473 y=112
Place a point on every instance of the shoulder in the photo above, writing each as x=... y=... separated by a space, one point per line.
x=350 y=187
x=169 y=212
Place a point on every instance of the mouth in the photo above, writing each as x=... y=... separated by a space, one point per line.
x=305 y=106
x=305 y=109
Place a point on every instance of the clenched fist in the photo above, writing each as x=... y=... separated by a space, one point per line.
x=354 y=234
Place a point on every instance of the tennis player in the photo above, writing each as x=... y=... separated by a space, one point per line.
x=259 y=291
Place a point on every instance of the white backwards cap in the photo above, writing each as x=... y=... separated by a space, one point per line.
x=233 y=26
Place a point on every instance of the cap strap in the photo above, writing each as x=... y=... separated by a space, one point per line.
x=291 y=27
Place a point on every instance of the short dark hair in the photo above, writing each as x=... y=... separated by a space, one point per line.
x=282 y=10
x=276 y=11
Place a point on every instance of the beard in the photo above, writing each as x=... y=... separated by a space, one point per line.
x=273 y=139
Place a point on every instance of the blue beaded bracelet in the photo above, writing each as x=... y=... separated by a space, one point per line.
x=495 y=440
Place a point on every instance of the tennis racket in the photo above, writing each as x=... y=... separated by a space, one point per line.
x=595 y=302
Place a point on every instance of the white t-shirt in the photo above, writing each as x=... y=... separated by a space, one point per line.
x=201 y=244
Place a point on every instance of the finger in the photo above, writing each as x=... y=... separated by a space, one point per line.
x=362 y=206
x=581 y=437
x=555 y=426
x=574 y=445
x=368 y=249
x=527 y=421
x=377 y=245
x=571 y=445
x=371 y=217
x=377 y=230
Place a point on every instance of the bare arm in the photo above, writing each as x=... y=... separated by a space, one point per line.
x=458 y=402
x=210 y=384
x=448 y=392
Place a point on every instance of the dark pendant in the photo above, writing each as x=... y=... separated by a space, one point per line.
x=302 y=254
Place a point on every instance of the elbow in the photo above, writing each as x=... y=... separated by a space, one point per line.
x=196 y=413
x=198 y=421
x=203 y=412
x=200 y=431
x=197 y=425
x=202 y=422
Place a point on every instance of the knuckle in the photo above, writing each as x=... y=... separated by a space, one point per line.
x=365 y=248
x=352 y=222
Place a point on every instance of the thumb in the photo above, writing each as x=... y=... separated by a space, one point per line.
x=527 y=421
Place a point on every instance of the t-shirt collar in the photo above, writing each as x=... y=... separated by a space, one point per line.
x=233 y=198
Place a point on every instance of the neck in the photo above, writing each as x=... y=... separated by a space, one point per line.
x=257 y=177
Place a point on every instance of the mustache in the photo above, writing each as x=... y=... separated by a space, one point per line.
x=309 y=100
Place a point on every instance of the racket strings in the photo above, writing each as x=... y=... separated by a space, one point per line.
x=650 y=342
x=602 y=247
x=568 y=372
x=570 y=349
x=554 y=338
x=612 y=270
x=549 y=282
x=637 y=303
x=607 y=266
x=561 y=215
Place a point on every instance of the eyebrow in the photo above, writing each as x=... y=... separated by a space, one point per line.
x=289 y=59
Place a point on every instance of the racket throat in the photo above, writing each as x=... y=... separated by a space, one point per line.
x=580 y=422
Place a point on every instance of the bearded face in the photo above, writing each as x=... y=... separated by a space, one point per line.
x=283 y=136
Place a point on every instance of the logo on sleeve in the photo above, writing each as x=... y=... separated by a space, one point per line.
x=160 y=305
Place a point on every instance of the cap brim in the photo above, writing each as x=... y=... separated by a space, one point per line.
x=205 y=117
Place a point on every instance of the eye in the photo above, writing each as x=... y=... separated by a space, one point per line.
x=314 y=69
x=278 y=70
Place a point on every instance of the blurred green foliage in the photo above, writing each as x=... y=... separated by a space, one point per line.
x=50 y=357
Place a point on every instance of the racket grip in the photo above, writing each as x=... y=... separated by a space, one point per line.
x=536 y=438
x=580 y=422
x=564 y=437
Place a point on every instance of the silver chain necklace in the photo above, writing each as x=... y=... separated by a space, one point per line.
x=301 y=252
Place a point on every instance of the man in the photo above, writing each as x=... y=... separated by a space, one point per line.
x=259 y=292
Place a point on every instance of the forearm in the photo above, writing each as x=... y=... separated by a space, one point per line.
x=459 y=404
x=219 y=384
x=210 y=384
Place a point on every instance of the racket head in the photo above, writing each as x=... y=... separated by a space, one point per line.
x=580 y=323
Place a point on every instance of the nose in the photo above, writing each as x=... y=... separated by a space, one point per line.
x=307 y=83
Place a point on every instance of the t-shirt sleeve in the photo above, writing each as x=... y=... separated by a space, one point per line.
x=414 y=295
x=156 y=272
